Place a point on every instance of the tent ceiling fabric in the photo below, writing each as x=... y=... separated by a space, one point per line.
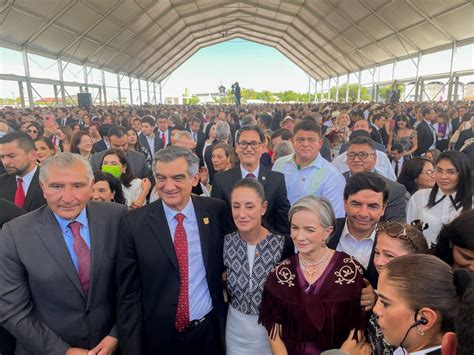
x=151 y=38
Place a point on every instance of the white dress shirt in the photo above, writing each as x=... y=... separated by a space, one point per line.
x=27 y=179
x=442 y=213
x=361 y=249
x=244 y=172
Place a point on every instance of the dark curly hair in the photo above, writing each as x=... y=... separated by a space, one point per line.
x=459 y=232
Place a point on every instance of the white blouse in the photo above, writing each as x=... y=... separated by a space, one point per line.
x=442 y=213
x=131 y=193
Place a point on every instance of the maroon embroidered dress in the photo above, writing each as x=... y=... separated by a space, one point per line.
x=316 y=317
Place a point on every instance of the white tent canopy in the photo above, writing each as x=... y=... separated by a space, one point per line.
x=151 y=38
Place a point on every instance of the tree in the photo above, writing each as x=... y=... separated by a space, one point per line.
x=384 y=91
x=353 y=89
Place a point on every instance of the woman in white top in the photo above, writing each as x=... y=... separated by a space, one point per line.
x=250 y=253
x=134 y=189
x=451 y=194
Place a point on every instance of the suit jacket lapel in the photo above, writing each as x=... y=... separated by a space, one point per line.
x=203 y=221
x=98 y=234
x=263 y=175
x=51 y=235
x=158 y=225
x=32 y=190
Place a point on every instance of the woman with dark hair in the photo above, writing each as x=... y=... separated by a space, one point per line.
x=134 y=189
x=76 y=128
x=417 y=173
x=65 y=137
x=134 y=144
x=311 y=301
x=107 y=188
x=44 y=148
x=455 y=243
x=34 y=130
x=250 y=253
x=81 y=143
x=419 y=297
x=403 y=135
x=450 y=195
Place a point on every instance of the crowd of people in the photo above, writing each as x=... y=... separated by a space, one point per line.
x=329 y=228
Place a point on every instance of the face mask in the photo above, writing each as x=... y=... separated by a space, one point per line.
x=114 y=170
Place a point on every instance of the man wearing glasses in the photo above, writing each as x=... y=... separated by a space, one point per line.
x=307 y=172
x=249 y=148
x=362 y=157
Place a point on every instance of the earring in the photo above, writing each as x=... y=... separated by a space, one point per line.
x=324 y=243
x=420 y=331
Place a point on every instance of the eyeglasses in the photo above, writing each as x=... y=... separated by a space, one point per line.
x=253 y=144
x=396 y=230
x=430 y=172
x=448 y=172
x=361 y=155
x=31 y=131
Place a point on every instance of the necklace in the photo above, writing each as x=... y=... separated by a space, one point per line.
x=318 y=266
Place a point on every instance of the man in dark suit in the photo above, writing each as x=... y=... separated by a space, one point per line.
x=148 y=139
x=20 y=183
x=360 y=127
x=378 y=133
x=63 y=119
x=8 y=211
x=169 y=266
x=361 y=157
x=195 y=129
x=163 y=131
x=426 y=135
x=57 y=267
x=465 y=135
x=103 y=143
x=249 y=148
x=119 y=140
x=365 y=200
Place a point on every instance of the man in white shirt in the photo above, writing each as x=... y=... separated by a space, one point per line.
x=365 y=199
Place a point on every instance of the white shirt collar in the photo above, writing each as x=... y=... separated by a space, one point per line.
x=188 y=211
x=244 y=172
x=400 y=351
x=346 y=234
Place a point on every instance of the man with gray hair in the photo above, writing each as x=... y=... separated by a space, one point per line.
x=282 y=149
x=169 y=265
x=57 y=266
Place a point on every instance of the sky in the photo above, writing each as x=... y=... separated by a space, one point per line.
x=250 y=64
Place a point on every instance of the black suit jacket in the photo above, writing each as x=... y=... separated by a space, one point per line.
x=148 y=274
x=100 y=146
x=425 y=138
x=371 y=273
x=275 y=193
x=144 y=143
x=69 y=121
x=379 y=136
x=396 y=204
x=463 y=136
x=34 y=196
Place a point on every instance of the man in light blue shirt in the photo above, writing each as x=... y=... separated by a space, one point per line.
x=307 y=172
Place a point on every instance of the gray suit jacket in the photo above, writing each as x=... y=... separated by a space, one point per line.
x=137 y=162
x=41 y=300
x=396 y=204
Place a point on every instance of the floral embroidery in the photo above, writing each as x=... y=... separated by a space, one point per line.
x=284 y=275
x=348 y=273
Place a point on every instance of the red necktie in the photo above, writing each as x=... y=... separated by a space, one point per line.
x=181 y=250
x=20 y=193
x=163 y=138
x=250 y=175
x=83 y=256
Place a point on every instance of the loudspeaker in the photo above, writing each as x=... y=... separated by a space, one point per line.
x=84 y=99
